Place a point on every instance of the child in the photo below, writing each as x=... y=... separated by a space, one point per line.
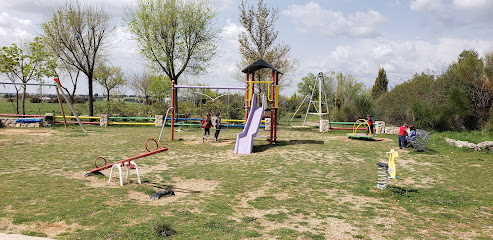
x=370 y=123
x=218 y=126
x=412 y=134
x=206 y=125
x=402 y=136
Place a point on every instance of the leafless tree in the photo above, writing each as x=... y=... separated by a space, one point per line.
x=73 y=73
x=76 y=34
x=139 y=83
x=258 y=41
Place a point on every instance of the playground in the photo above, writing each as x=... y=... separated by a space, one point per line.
x=309 y=185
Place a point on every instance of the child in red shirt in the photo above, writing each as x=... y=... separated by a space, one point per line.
x=402 y=136
x=206 y=125
x=369 y=120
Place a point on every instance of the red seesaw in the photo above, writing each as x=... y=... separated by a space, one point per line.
x=129 y=162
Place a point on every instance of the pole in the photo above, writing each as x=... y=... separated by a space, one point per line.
x=61 y=107
x=246 y=95
x=319 y=99
x=173 y=100
x=272 y=108
x=59 y=85
x=275 y=110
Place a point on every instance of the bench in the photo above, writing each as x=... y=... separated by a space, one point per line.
x=420 y=141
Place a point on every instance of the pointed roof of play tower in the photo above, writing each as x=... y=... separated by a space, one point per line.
x=259 y=64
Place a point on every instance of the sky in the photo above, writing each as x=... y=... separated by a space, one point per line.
x=356 y=37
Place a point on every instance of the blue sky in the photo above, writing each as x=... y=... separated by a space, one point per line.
x=354 y=37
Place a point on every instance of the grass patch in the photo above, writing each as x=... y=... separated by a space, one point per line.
x=309 y=186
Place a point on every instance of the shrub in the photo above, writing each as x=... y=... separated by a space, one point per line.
x=35 y=99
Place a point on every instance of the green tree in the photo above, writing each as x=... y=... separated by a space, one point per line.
x=465 y=81
x=258 y=41
x=381 y=84
x=109 y=77
x=309 y=81
x=76 y=34
x=26 y=63
x=160 y=87
x=348 y=87
x=174 y=35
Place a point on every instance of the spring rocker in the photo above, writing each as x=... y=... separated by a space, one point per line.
x=129 y=163
x=364 y=136
x=387 y=171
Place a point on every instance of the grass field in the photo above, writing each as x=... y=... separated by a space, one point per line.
x=310 y=185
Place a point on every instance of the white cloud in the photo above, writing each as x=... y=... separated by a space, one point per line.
x=13 y=29
x=401 y=59
x=452 y=13
x=471 y=4
x=426 y=5
x=223 y=70
x=312 y=17
x=222 y=5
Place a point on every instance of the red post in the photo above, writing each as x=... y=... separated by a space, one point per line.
x=172 y=110
x=246 y=96
x=272 y=94
x=275 y=111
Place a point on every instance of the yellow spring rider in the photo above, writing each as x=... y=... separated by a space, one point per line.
x=387 y=171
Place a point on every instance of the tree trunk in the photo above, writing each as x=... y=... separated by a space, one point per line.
x=17 y=102
x=24 y=90
x=91 y=107
x=176 y=98
x=108 y=95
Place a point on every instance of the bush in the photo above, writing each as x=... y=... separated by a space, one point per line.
x=488 y=126
x=35 y=99
x=358 y=108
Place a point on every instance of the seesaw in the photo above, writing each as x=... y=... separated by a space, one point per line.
x=129 y=163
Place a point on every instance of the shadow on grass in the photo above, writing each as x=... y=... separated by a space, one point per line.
x=160 y=186
x=402 y=192
x=429 y=151
x=262 y=148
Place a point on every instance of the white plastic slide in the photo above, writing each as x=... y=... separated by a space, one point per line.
x=244 y=140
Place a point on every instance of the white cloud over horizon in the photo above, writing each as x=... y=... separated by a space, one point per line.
x=399 y=58
x=353 y=37
x=313 y=17
x=15 y=28
x=456 y=12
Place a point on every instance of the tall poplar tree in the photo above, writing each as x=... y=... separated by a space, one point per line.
x=381 y=85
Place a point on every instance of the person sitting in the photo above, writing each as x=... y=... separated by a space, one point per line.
x=410 y=137
x=412 y=134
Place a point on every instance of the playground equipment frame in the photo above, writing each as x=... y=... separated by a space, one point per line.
x=273 y=95
x=58 y=86
x=356 y=126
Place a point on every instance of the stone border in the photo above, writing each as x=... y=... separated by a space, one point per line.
x=487 y=145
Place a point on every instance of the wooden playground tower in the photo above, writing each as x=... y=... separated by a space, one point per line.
x=273 y=94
